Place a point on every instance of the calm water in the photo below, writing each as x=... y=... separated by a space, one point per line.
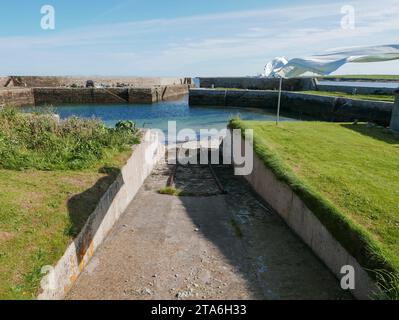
x=157 y=115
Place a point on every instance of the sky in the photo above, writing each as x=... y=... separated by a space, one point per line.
x=187 y=38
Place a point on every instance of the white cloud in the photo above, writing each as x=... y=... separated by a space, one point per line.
x=230 y=43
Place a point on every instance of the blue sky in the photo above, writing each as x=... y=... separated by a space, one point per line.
x=186 y=38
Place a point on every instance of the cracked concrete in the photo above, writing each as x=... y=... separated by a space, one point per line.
x=222 y=246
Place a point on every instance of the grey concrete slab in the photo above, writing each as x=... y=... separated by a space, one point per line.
x=218 y=247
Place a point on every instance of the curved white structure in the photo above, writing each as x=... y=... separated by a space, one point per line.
x=329 y=62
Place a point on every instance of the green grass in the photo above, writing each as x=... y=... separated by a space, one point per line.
x=41 y=212
x=171 y=191
x=348 y=175
x=367 y=77
x=386 y=98
x=37 y=141
x=45 y=197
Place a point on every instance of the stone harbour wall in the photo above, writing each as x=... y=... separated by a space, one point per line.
x=16 y=97
x=58 y=96
x=54 y=81
x=294 y=84
x=55 y=96
x=312 y=105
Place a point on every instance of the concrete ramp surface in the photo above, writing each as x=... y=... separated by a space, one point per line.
x=220 y=246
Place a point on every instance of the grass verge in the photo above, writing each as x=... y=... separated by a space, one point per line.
x=373 y=97
x=49 y=186
x=348 y=175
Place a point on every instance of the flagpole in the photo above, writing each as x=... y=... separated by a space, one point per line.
x=279 y=100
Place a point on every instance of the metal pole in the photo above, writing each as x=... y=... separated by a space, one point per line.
x=279 y=100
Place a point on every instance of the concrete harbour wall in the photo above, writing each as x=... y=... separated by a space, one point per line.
x=57 y=283
x=56 y=96
x=316 y=106
x=295 y=84
x=308 y=227
x=17 y=97
x=54 y=81
x=156 y=94
x=337 y=109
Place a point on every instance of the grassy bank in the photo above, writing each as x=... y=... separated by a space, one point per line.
x=366 y=77
x=374 y=97
x=348 y=175
x=51 y=178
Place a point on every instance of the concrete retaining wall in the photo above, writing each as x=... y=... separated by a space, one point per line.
x=114 y=202
x=319 y=107
x=16 y=97
x=307 y=226
x=296 y=84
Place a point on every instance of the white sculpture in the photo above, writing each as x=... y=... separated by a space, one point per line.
x=324 y=64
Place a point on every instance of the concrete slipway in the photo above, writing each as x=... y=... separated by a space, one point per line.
x=205 y=246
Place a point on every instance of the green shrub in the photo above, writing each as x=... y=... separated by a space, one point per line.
x=39 y=141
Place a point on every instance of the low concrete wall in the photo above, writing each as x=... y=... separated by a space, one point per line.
x=114 y=202
x=295 y=84
x=307 y=226
x=320 y=107
x=16 y=97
